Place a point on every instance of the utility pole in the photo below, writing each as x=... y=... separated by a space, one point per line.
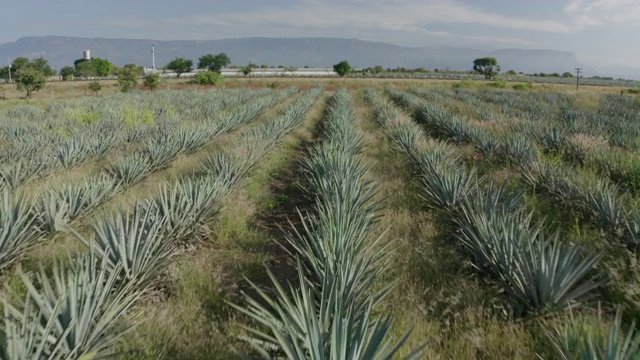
x=153 y=56
x=9 y=69
x=578 y=72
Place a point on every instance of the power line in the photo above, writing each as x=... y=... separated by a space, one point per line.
x=578 y=72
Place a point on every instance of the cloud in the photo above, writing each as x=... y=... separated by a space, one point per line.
x=590 y=13
x=391 y=15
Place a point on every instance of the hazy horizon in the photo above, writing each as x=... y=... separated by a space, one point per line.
x=599 y=32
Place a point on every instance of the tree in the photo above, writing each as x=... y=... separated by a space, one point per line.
x=67 y=72
x=214 y=62
x=103 y=67
x=93 y=67
x=17 y=64
x=180 y=66
x=209 y=78
x=486 y=66
x=342 y=68
x=567 y=75
x=205 y=61
x=95 y=87
x=128 y=77
x=4 y=72
x=29 y=80
x=41 y=65
x=246 y=70
x=152 y=81
x=511 y=72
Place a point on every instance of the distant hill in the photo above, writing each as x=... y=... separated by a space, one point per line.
x=314 y=52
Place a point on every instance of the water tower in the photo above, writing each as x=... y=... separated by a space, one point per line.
x=86 y=54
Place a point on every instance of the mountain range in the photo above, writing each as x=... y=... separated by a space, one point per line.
x=314 y=52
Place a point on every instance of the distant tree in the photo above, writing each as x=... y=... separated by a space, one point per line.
x=209 y=78
x=342 y=68
x=95 y=87
x=17 y=64
x=486 y=66
x=511 y=72
x=264 y=66
x=180 y=66
x=420 y=70
x=67 y=72
x=128 y=77
x=280 y=66
x=103 y=67
x=291 y=68
x=42 y=65
x=205 y=61
x=214 y=62
x=567 y=75
x=4 y=72
x=93 y=67
x=152 y=81
x=246 y=70
x=29 y=80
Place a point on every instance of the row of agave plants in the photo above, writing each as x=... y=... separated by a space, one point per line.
x=329 y=313
x=595 y=199
x=538 y=273
x=33 y=152
x=85 y=304
x=614 y=121
x=27 y=220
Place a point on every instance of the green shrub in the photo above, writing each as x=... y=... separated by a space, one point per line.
x=466 y=83
x=209 y=78
x=634 y=91
x=521 y=87
x=499 y=83
x=152 y=81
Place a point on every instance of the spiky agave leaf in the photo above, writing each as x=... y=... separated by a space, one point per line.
x=18 y=228
x=53 y=213
x=71 y=152
x=314 y=323
x=553 y=275
x=20 y=172
x=184 y=206
x=129 y=169
x=69 y=313
x=579 y=339
x=134 y=244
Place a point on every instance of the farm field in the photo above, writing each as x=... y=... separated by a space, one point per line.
x=342 y=219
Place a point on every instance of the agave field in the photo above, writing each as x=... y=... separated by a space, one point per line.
x=392 y=222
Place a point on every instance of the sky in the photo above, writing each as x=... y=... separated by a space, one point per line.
x=597 y=31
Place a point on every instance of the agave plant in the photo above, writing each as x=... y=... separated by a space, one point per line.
x=19 y=173
x=578 y=339
x=129 y=169
x=520 y=151
x=161 y=151
x=69 y=313
x=18 y=225
x=445 y=188
x=538 y=274
x=184 y=206
x=133 y=243
x=53 y=213
x=226 y=167
x=314 y=323
x=71 y=152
